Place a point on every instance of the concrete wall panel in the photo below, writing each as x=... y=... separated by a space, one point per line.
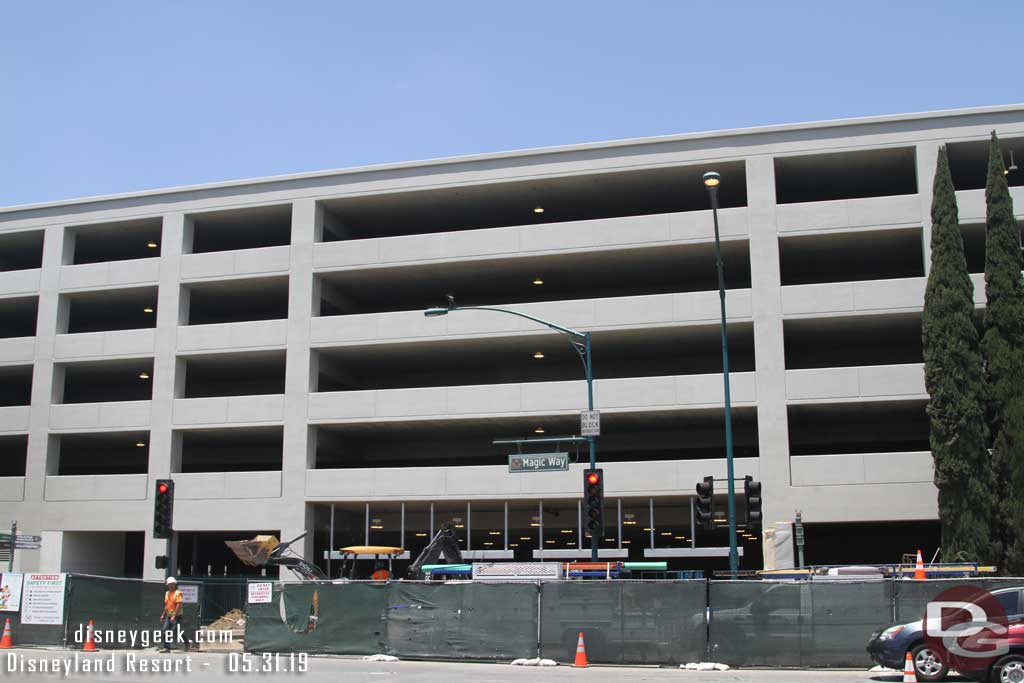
x=12 y=489
x=17 y=349
x=14 y=419
x=849 y=213
x=868 y=382
x=92 y=487
x=110 y=274
x=114 y=344
x=235 y=263
x=226 y=485
x=531 y=239
x=100 y=416
x=232 y=336
x=19 y=281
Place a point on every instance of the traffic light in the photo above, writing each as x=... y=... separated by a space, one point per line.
x=163 y=509
x=705 y=503
x=593 y=501
x=752 y=493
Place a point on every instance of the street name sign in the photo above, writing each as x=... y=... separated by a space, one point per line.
x=538 y=462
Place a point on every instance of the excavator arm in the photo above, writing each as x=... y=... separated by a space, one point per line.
x=267 y=551
x=444 y=543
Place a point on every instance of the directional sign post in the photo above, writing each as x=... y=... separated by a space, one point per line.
x=21 y=542
x=21 y=545
x=590 y=423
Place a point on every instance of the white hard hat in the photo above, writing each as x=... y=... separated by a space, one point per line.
x=171 y=579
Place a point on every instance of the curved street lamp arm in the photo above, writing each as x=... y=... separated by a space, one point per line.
x=566 y=330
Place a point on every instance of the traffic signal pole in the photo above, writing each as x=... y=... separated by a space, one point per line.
x=590 y=439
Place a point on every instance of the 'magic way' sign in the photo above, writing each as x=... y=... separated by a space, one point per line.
x=538 y=462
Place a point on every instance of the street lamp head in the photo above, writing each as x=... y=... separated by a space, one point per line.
x=712 y=179
x=439 y=310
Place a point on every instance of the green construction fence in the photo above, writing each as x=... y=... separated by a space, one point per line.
x=741 y=623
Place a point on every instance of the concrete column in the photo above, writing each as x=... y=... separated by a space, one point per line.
x=927 y=154
x=306 y=219
x=41 y=458
x=769 y=351
x=42 y=380
x=165 y=367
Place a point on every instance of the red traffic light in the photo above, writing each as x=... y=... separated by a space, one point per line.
x=593 y=478
x=162 y=488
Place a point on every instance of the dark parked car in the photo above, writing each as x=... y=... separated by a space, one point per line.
x=889 y=645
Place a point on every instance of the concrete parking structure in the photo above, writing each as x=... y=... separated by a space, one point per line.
x=263 y=343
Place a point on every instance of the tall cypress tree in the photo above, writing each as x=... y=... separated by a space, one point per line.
x=954 y=377
x=1002 y=347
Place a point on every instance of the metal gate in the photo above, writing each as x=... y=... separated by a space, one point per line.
x=219 y=595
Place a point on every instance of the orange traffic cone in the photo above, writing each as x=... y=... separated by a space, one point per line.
x=909 y=676
x=919 y=569
x=581 y=653
x=6 y=643
x=90 y=645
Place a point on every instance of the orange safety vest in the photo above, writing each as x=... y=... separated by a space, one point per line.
x=172 y=602
x=381 y=575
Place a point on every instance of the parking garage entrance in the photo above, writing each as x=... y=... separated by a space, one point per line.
x=636 y=529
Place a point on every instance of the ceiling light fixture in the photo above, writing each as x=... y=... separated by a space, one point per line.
x=147 y=309
x=151 y=245
x=140 y=444
x=421 y=534
x=538 y=355
x=538 y=281
x=143 y=375
x=538 y=209
x=538 y=430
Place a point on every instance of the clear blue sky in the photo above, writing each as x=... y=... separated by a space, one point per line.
x=111 y=96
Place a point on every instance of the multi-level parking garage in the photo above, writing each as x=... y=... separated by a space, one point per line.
x=264 y=344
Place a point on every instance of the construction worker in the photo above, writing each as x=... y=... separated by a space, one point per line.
x=171 y=614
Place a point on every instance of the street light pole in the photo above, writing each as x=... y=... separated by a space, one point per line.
x=590 y=439
x=712 y=181
x=580 y=343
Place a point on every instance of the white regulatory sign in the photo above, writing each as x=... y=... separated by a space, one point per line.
x=260 y=592
x=590 y=423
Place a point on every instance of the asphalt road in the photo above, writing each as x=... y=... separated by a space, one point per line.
x=205 y=667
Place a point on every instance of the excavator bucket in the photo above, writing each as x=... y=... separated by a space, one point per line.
x=256 y=551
